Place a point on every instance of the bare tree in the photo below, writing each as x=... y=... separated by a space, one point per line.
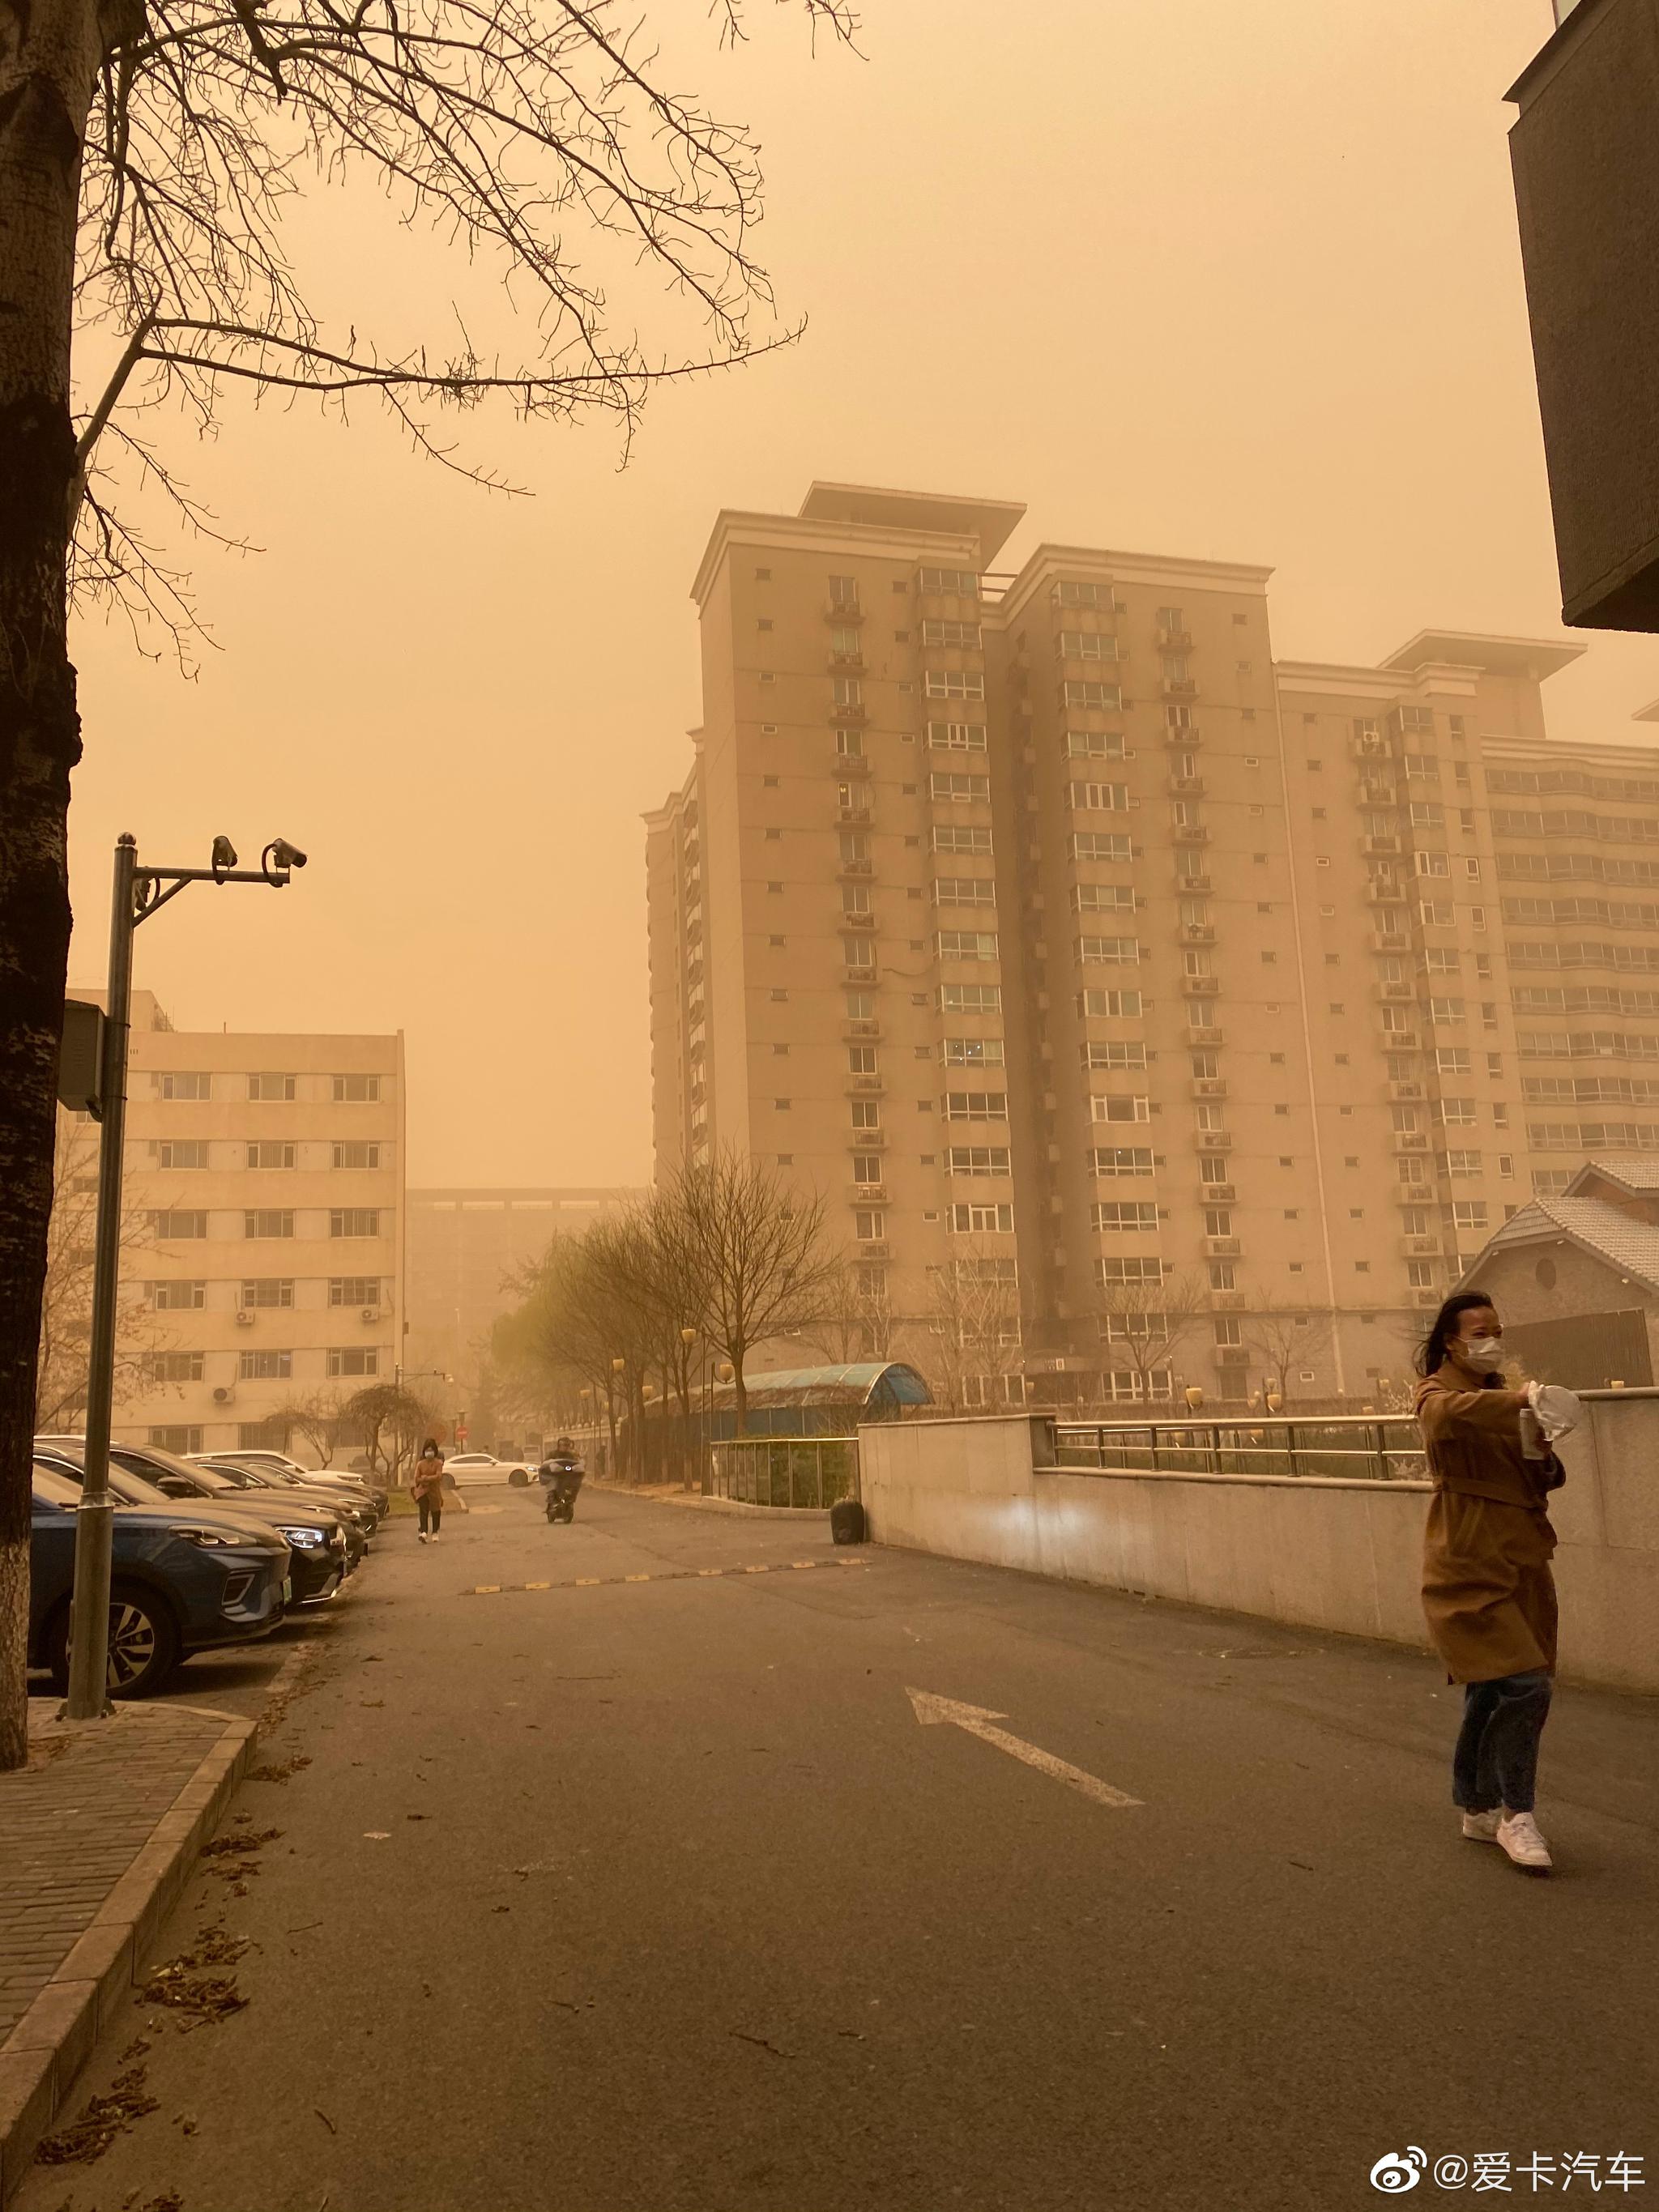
x=392 y=1423
x=754 y=1247
x=858 y=1323
x=1285 y=1336
x=148 y=151
x=315 y=1415
x=974 y=1320
x=1143 y=1326
x=66 y=1298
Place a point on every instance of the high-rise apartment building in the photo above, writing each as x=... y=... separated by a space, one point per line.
x=264 y=1179
x=1073 y=947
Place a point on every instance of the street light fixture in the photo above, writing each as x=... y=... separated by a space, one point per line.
x=139 y=892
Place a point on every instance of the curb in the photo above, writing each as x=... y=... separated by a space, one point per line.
x=741 y=1506
x=42 y=2055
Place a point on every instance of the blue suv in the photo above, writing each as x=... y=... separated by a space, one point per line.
x=178 y=1585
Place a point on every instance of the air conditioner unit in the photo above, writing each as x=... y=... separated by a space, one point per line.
x=244 y=1318
x=371 y=1313
x=225 y=1394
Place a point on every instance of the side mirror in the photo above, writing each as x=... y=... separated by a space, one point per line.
x=175 y=1486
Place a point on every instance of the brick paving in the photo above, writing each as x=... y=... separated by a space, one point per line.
x=73 y=1821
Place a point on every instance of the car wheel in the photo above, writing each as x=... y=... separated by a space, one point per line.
x=143 y=1644
x=518 y=1480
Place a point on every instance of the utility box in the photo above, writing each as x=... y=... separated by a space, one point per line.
x=80 y=1059
x=1582 y=149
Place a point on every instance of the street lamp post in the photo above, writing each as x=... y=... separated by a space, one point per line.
x=139 y=893
x=687 y=1338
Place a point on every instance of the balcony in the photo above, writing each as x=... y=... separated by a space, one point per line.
x=1194 y=885
x=1426 y=1298
x=861 y=1029
x=1399 y=1040
x=859 y=813
x=1199 y=987
x=1390 y=941
x=1213 y=1140
x=1217 y=1194
x=855 y=868
x=1396 y=994
x=858 y=920
x=867 y=1194
x=865 y=1086
x=1226 y=1301
x=849 y=714
x=1232 y=1355
x=1378 y=845
x=1185 y=736
x=844 y=657
x=1198 y=1035
x=1403 y=1092
x=1410 y=1140
x=1174 y=641
x=871 y=1248
x=1197 y=932
x=1372 y=794
x=1370 y=749
x=1182 y=687
x=1421 y=1248
x=1186 y=787
x=1190 y=833
x=860 y=975
x=836 y=611
x=1223 y=1248
x=1209 y=1086
x=1389 y=894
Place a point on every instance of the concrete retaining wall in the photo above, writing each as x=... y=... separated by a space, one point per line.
x=1341 y=1555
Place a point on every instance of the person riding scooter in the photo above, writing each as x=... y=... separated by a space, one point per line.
x=561 y=1476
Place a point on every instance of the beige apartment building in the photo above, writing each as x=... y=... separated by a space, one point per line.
x=1069 y=942
x=264 y=1175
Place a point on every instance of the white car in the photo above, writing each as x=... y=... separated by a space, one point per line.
x=470 y=1466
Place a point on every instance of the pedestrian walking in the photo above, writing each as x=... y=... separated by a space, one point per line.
x=1488 y=1593
x=429 y=1489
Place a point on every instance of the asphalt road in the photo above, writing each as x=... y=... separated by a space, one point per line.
x=648 y=1892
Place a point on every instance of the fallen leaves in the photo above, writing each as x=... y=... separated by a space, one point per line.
x=278 y=1772
x=203 y=1996
x=104 y=2118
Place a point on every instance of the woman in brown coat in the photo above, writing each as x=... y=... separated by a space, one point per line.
x=1488 y=1593
x=428 y=1489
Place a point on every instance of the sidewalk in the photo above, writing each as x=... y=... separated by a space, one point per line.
x=97 y=1835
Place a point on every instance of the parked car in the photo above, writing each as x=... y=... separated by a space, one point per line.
x=470 y=1466
x=180 y=1582
x=258 y=1457
x=164 y=1469
x=314 y=1534
x=353 y=1494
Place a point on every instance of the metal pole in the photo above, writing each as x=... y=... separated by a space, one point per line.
x=88 y=1698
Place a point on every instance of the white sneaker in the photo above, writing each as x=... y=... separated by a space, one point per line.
x=1517 y=1835
x=1481 y=1827
x=434 y=1535
x=423 y=1535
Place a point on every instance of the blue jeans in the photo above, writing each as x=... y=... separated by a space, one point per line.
x=1496 y=1761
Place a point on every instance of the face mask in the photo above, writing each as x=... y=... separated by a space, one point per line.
x=1486 y=1352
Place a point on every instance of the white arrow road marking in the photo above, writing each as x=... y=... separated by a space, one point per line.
x=932 y=1710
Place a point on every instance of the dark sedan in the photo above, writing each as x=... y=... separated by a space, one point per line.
x=179 y=1583
x=350 y=1494
x=172 y=1475
x=315 y=1537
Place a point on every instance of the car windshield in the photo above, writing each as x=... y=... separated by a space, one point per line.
x=53 y=1487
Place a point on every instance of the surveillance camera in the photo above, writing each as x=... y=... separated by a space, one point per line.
x=224 y=854
x=285 y=855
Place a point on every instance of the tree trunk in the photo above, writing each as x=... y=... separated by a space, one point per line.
x=740 y=1395
x=48 y=58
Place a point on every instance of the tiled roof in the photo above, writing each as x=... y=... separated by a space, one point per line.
x=1632 y=1247
x=1634 y=1175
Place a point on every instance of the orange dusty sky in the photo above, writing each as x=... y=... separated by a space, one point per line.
x=1183 y=274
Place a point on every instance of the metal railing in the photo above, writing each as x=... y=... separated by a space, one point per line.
x=1362 y=1446
x=809 y=1470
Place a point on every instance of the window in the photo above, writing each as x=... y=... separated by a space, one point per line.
x=1114 y=1052
x=1469 y=1213
x=1426 y=813
x=177 y=1436
x=352 y=1359
x=1463 y=1163
x=267 y=1084
x=867 y=1113
x=267 y=1290
x=1109 y=1005
x=1101 y=698
x=961 y=837
x=971 y=1052
x=1118 y=1160
x=173 y=1367
x=975 y=1106
x=1124 y=951
x=963 y=583
x=1457 y=1113
x=1441 y=960
x=869 y=1226
x=954 y=683
x=1120 y=1109
x=264 y=1154
x=1452 y=1059
x=178 y=1297
x=973 y=1219
x=1097 y=797
x=854 y=897
x=960 y=790
x=861 y=1060
x=355 y=1153
x=177 y=1222
x=964 y=890
x=976 y=1160
x=1432 y=864
x=970 y=998
x=181 y=1152
x=1084 y=644
x=957 y=737
x=964 y=633
x=354 y=1290
x=1108 y=1273
x=1436 y=914
x=1083 y=595
x=1446 y=1009
x=1099 y=844
x=264 y=1366
x=1093 y=744
x=266 y=1221
x=175 y=1083
x=860 y=1006
x=357 y=1090
x=856 y=952
x=844 y=591
x=354 y=1221
x=1124 y=1217
x=966 y=944
x=1103 y=898
x=1223 y=1275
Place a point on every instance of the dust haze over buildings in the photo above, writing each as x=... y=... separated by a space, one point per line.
x=1225 y=314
